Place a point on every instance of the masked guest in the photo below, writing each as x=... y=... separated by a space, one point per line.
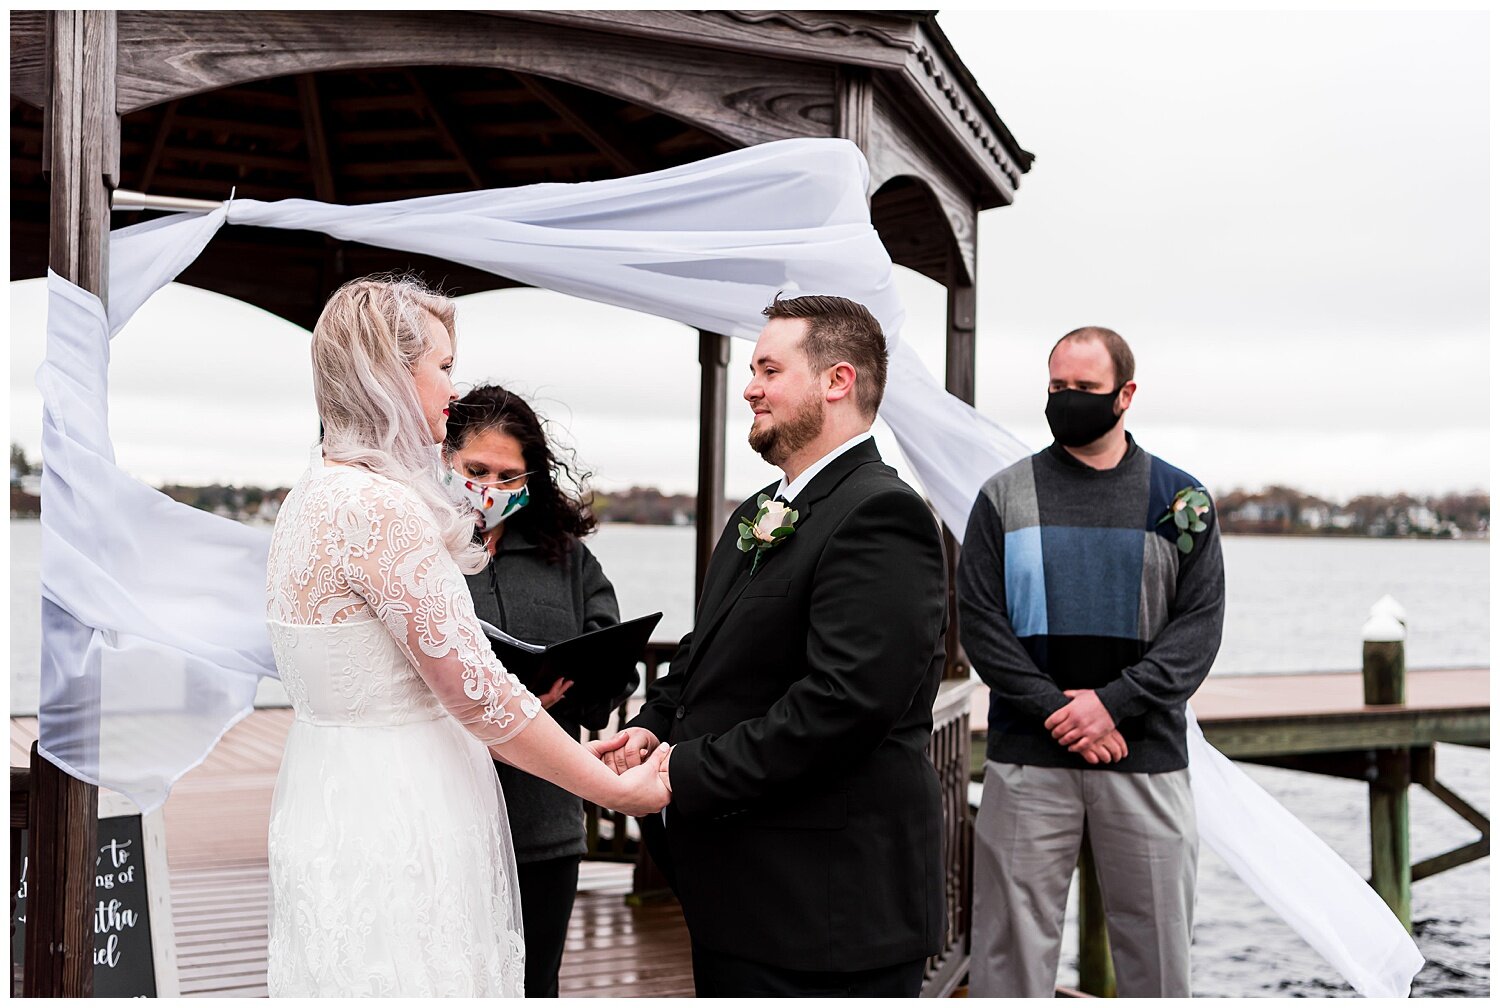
x=542 y=585
x=1091 y=601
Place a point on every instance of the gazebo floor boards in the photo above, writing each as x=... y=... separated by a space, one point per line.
x=216 y=849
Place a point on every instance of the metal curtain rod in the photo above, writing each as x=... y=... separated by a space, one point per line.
x=128 y=199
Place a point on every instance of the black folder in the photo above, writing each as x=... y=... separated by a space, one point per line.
x=600 y=663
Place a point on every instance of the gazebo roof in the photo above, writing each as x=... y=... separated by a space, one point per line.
x=391 y=105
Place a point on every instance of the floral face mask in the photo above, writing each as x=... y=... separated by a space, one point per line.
x=494 y=504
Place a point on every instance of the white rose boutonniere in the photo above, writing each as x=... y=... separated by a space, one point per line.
x=772 y=524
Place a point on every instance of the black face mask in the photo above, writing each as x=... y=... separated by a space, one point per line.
x=1080 y=418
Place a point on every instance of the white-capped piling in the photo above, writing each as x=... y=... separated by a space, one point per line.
x=1384 y=668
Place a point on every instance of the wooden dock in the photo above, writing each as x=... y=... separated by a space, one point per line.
x=1249 y=716
x=216 y=824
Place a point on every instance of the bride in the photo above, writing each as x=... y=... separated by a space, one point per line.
x=390 y=859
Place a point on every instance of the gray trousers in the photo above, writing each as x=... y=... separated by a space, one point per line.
x=1144 y=836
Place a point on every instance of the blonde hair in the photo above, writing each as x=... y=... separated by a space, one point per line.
x=365 y=348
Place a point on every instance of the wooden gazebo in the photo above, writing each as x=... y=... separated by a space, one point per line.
x=361 y=107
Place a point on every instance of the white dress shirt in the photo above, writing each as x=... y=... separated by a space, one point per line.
x=789 y=493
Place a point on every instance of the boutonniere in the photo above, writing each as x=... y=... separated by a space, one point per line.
x=1186 y=512
x=772 y=524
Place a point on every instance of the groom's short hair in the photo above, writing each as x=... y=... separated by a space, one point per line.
x=840 y=330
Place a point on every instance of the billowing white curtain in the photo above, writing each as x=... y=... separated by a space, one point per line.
x=154 y=632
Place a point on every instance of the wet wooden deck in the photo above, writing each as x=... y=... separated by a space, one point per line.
x=1286 y=715
x=216 y=825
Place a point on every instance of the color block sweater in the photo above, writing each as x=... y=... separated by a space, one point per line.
x=1068 y=581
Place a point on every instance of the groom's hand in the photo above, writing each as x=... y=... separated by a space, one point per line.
x=1081 y=723
x=628 y=749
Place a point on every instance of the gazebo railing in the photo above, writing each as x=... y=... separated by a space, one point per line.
x=20 y=820
x=950 y=757
x=607 y=833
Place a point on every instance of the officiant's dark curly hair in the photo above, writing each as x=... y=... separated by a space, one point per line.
x=561 y=505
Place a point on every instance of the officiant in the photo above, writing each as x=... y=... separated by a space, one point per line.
x=542 y=585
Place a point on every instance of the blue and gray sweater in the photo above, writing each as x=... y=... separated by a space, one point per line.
x=1067 y=581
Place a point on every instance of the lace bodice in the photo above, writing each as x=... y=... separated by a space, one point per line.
x=371 y=620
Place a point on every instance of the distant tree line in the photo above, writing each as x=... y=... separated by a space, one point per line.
x=1279 y=510
x=1275 y=510
x=242 y=503
x=20 y=465
x=647 y=506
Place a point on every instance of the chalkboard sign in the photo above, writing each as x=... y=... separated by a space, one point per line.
x=128 y=955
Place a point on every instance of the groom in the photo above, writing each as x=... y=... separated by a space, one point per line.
x=803 y=835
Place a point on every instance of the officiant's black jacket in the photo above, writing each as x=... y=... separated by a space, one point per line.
x=805 y=824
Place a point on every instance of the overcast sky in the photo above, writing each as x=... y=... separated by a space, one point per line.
x=1286 y=214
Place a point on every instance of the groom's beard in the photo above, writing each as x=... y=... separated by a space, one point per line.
x=779 y=441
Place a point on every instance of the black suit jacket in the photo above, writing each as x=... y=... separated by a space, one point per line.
x=805 y=824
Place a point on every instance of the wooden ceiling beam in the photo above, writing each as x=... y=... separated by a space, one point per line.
x=626 y=155
x=393 y=169
x=320 y=159
x=219 y=189
x=158 y=144
x=486 y=93
x=459 y=100
x=282 y=132
x=236 y=97
x=423 y=134
x=222 y=156
x=471 y=160
x=690 y=142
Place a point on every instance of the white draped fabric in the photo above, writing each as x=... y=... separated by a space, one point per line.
x=1299 y=876
x=154 y=613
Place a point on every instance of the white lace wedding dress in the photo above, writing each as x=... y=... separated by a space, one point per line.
x=391 y=865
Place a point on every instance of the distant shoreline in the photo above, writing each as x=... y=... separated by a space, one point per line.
x=1362 y=536
x=1421 y=537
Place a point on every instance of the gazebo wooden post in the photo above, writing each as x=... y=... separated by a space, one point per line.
x=959 y=380
x=81 y=157
x=713 y=389
x=713 y=357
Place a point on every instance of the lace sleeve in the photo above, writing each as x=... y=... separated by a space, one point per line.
x=412 y=584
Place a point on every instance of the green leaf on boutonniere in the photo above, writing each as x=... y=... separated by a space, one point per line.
x=1186 y=512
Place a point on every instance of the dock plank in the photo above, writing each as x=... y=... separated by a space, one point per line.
x=1314 y=694
x=1223 y=698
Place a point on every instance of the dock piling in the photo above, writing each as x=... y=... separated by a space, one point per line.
x=1096 y=968
x=1384 y=668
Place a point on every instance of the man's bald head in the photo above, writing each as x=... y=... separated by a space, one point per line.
x=1114 y=344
